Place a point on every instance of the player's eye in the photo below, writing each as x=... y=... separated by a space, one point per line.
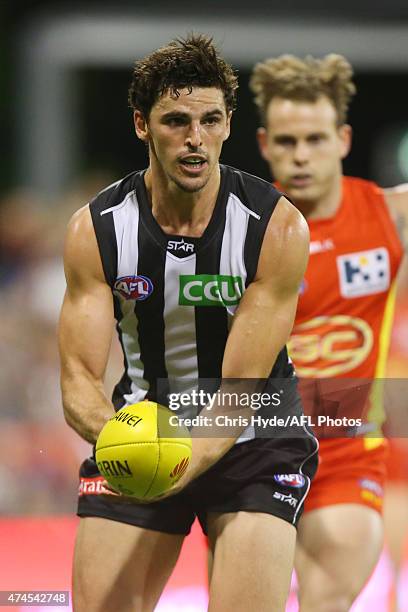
x=211 y=120
x=285 y=141
x=175 y=121
x=316 y=138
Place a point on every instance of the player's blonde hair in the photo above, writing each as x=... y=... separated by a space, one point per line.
x=304 y=80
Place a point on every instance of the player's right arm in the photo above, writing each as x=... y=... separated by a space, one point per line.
x=85 y=331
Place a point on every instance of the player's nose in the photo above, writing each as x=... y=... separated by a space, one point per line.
x=194 y=138
x=301 y=153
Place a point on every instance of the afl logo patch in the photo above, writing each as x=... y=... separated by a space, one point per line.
x=290 y=480
x=133 y=287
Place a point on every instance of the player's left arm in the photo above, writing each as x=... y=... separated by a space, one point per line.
x=397 y=202
x=261 y=327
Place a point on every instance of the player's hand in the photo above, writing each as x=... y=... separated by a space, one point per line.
x=205 y=453
x=178 y=486
x=199 y=463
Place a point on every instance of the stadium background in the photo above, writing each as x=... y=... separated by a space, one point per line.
x=66 y=132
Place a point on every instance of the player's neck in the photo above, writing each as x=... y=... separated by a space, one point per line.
x=326 y=205
x=178 y=211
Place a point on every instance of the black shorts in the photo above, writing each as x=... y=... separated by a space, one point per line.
x=270 y=475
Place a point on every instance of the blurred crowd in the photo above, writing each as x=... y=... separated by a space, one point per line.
x=39 y=454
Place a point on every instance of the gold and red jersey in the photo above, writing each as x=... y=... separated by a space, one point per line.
x=344 y=315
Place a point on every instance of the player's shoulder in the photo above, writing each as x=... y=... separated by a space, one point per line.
x=116 y=193
x=254 y=192
x=81 y=256
x=360 y=186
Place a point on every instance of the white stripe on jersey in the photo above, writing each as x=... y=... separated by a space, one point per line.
x=126 y=221
x=247 y=210
x=118 y=206
x=233 y=242
x=232 y=260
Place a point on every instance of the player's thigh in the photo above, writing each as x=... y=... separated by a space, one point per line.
x=120 y=567
x=252 y=561
x=337 y=549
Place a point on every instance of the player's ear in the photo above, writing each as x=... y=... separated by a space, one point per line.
x=262 y=138
x=141 y=128
x=345 y=134
x=228 y=126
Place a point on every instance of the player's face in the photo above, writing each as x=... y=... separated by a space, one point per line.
x=185 y=135
x=304 y=146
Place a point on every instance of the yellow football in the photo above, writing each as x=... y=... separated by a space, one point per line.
x=142 y=450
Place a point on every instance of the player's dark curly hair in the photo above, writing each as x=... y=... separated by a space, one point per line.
x=183 y=63
x=304 y=80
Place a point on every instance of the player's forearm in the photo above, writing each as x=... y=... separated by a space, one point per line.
x=86 y=407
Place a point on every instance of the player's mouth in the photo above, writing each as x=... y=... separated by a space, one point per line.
x=301 y=180
x=193 y=164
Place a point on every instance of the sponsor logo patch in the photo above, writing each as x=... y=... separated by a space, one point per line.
x=180 y=248
x=133 y=287
x=371 y=492
x=290 y=480
x=180 y=468
x=93 y=486
x=210 y=290
x=371 y=485
x=115 y=468
x=320 y=246
x=364 y=273
x=328 y=346
x=124 y=417
x=287 y=499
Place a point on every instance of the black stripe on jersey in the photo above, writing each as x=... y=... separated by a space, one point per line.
x=211 y=321
x=124 y=386
x=151 y=263
x=106 y=238
x=282 y=368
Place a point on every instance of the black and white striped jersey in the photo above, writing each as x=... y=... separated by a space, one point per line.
x=174 y=296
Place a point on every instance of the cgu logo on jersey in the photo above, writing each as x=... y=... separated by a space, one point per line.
x=290 y=480
x=210 y=290
x=328 y=346
x=133 y=287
